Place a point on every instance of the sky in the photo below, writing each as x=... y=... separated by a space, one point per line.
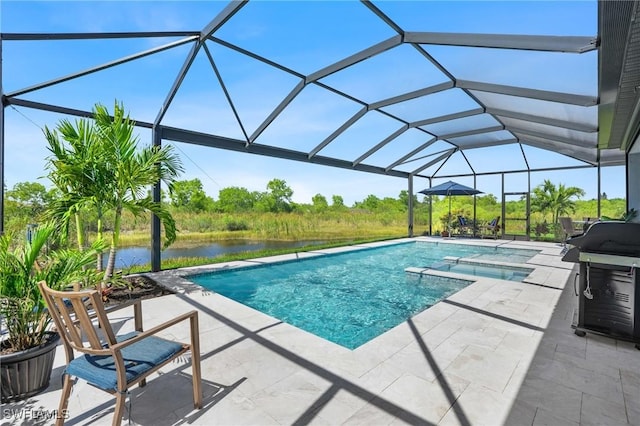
x=304 y=37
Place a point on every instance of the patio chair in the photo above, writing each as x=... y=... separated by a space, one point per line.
x=463 y=225
x=569 y=229
x=114 y=363
x=492 y=228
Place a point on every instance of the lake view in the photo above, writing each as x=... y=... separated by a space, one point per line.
x=130 y=256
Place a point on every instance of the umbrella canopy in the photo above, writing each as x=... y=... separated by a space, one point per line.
x=450 y=188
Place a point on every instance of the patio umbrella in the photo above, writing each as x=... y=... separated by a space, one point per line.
x=450 y=188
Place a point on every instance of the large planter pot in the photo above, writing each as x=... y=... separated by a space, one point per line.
x=27 y=373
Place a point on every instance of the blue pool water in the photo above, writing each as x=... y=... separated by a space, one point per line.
x=500 y=272
x=350 y=298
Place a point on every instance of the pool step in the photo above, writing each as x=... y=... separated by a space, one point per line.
x=444 y=268
x=438 y=273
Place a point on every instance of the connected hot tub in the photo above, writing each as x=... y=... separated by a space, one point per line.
x=475 y=267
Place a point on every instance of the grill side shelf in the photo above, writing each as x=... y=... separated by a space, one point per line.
x=610 y=259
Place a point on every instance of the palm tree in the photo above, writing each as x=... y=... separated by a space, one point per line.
x=99 y=167
x=564 y=202
x=77 y=170
x=558 y=201
x=542 y=199
x=131 y=172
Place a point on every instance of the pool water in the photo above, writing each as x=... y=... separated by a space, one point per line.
x=497 y=272
x=349 y=298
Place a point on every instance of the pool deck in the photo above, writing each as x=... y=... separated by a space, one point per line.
x=497 y=352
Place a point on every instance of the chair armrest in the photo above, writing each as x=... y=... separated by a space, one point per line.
x=191 y=315
x=123 y=305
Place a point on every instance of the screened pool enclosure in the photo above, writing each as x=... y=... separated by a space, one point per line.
x=416 y=90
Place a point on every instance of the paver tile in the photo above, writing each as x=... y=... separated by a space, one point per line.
x=546 y=418
x=478 y=405
x=484 y=367
x=560 y=400
x=601 y=411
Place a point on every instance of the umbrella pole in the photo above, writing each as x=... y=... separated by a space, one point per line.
x=449 y=218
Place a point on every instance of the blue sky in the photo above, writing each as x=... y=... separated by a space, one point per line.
x=305 y=37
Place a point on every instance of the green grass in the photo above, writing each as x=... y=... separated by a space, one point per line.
x=274 y=226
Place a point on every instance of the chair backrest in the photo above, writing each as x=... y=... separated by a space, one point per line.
x=73 y=319
x=494 y=222
x=567 y=225
x=462 y=220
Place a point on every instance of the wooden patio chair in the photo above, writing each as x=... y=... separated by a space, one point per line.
x=569 y=229
x=492 y=228
x=114 y=363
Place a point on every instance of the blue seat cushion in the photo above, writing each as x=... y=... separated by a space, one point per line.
x=140 y=357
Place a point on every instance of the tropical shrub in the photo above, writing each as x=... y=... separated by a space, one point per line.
x=22 y=307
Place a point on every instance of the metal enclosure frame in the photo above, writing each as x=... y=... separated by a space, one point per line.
x=617 y=122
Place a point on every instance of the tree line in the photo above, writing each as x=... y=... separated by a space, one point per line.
x=189 y=195
x=27 y=201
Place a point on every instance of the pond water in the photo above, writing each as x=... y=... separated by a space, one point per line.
x=130 y=256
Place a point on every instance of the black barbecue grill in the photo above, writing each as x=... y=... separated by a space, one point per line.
x=609 y=283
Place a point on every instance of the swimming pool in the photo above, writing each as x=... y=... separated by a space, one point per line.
x=350 y=298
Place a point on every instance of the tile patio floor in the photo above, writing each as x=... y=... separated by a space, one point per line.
x=497 y=352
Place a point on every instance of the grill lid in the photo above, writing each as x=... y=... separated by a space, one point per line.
x=617 y=238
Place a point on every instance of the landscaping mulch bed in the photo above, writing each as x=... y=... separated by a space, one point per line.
x=138 y=287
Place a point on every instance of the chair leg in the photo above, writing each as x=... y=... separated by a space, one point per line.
x=197 y=381
x=121 y=400
x=64 y=399
x=195 y=362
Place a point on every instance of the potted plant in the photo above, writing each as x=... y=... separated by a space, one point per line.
x=447 y=224
x=626 y=217
x=27 y=348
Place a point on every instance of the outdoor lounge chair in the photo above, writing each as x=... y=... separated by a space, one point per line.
x=115 y=363
x=492 y=228
x=464 y=225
